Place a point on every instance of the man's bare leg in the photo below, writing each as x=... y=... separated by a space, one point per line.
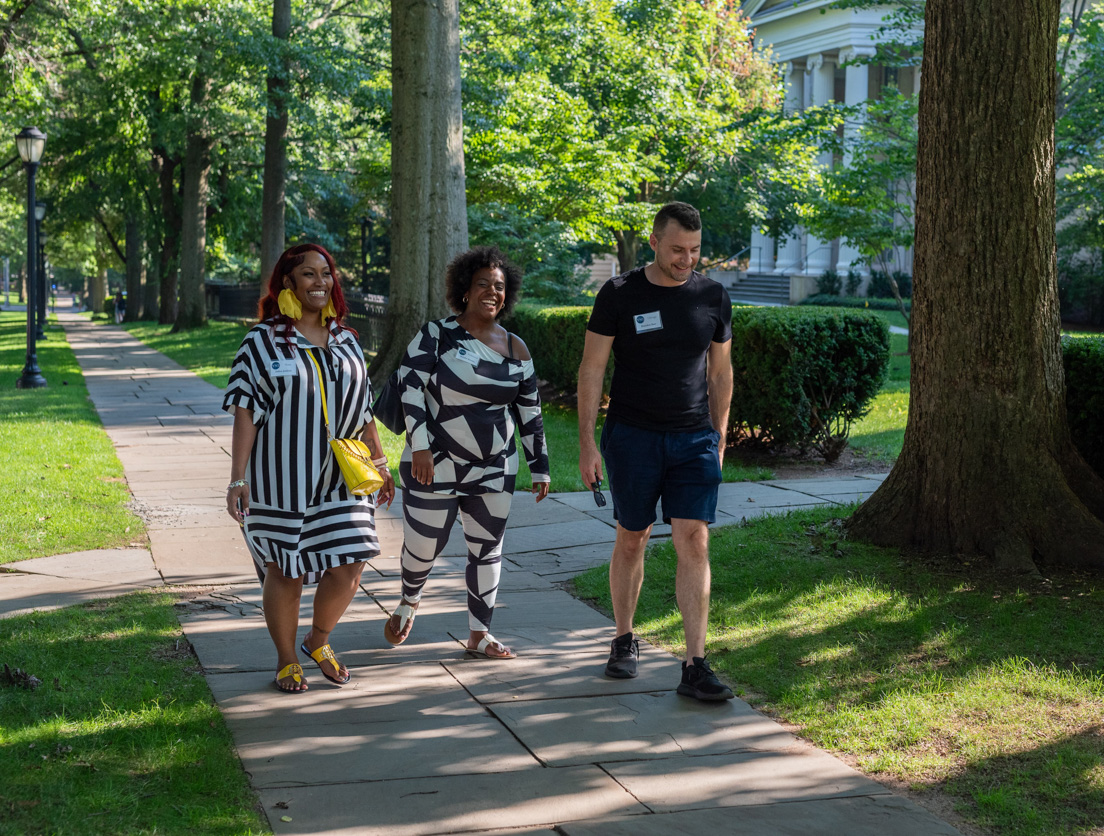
x=692 y=578
x=626 y=575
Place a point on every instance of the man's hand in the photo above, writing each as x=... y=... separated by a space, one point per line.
x=590 y=464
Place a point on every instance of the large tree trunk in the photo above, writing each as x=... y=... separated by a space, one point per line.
x=135 y=269
x=98 y=290
x=193 y=227
x=987 y=465
x=168 y=262
x=628 y=248
x=274 y=187
x=428 y=208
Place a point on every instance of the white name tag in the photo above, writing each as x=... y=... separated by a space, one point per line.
x=282 y=368
x=467 y=356
x=647 y=322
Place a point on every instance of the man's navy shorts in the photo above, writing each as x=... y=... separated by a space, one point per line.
x=645 y=466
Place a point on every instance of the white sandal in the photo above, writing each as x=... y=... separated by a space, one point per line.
x=405 y=612
x=489 y=641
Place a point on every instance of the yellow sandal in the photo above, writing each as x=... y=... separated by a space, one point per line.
x=325 y=654
x=295 y=671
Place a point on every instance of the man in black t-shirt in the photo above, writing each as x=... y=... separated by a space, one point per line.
x=670 y=331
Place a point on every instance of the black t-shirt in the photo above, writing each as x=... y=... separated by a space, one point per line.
x=661 y=337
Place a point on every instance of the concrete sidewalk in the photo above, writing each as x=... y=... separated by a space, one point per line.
x=426 y=740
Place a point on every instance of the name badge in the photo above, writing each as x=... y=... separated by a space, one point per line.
x=469 y=357
x=282 y=368
x=646 y=322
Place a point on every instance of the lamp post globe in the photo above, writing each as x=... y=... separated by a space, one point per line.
x=30 y=143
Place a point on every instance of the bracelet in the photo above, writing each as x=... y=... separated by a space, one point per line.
x=380 y=462
x=237 y=483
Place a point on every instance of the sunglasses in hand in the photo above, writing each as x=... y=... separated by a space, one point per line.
x=599 y=499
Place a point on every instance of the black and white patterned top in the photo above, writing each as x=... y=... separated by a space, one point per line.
x=463 y=400
x=301 y=513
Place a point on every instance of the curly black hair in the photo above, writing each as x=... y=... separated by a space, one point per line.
x=458 y=276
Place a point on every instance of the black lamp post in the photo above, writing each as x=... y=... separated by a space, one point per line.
x=31 y=142
x=40 y=316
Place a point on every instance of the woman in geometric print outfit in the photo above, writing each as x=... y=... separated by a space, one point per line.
x=466 y=384
x=301 y=523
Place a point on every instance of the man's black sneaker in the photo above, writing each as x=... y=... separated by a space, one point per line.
x=624 y=652
x=699 y=682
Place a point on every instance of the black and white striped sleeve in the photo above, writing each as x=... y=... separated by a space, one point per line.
x=531 y=427
x=417 y=365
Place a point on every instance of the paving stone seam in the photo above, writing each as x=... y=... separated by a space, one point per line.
x=630 y=793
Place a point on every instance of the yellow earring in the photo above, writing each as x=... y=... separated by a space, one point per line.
x=289 y=304
x=329 y=312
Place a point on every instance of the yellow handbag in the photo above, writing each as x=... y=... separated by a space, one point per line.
x=353 y=456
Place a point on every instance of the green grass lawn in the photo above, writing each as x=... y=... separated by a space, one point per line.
x=63 y=486
x=122 y=736
x=989 y=691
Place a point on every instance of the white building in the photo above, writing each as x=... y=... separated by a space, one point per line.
x=813 y=42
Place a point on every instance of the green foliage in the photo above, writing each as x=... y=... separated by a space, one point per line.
x=122 y=736
x=555 y=338
x=829 y=283
x=869 y=202
x=874 y=303
x=1083 y=359
x=880 y=286
x=548 y=252
x=803 y=376
x=556 y=95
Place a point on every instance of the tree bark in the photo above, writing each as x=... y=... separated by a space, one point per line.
x=135 y=269
x=98 y=290
x=428 y=207
x=628 y=249
x=273 y=192
x=193 y=227
x=987 y=466
x=167 y=263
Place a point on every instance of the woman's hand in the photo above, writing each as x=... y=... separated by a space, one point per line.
x=421 y=466
x=387 y=492
x=237 y=501
x=540 y=490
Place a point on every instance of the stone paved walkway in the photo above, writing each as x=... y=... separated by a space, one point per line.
x=426 y=740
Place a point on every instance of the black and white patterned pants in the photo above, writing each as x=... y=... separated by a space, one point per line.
x=427 y=521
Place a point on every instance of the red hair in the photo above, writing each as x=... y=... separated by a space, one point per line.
x=268 y=309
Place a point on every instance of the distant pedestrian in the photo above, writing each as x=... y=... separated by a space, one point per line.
x=301 y=523
x=120 y=307
x=467 y=384
x=670 y=331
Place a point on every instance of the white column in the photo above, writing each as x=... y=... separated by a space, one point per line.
x=790 y=248
x=822 y=68
x=761 y=255
x=856 y=90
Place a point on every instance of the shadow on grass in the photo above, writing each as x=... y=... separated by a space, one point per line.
x=122 y=736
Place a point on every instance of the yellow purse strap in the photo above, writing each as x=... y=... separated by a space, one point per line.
x=322 y=386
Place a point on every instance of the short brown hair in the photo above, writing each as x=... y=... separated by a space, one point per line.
x=683 y=214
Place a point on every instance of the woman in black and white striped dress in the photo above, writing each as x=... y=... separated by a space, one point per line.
x=466 y=384
x=301 y=522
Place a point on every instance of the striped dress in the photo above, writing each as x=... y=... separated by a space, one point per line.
x=301 y=514
x=463 y=400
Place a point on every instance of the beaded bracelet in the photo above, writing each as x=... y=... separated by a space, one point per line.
x=238 y=483
x=380 y=462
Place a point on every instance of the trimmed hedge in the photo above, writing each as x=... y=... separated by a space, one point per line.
x=803 y=376
x=555 y=338
x=1083 y=358
x=823 y=300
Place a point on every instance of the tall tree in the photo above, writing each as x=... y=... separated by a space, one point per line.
x=987 y=465
x=429 y=222
x=193 y=227
x=274 y=190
